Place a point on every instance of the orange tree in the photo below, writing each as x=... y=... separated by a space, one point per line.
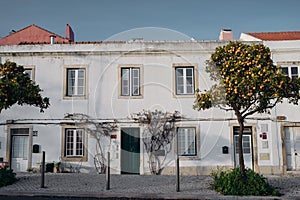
x=247 y=82
x=16 y=87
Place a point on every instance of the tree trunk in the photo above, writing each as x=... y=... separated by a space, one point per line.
x=240 y=144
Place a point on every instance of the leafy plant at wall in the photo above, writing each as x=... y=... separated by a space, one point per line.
x=235 y=183
x=101 y=132
x=7 y=176
x=158 y=136
x=247 y=83
x=16 y=87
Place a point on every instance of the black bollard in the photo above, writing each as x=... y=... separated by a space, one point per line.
x=43 y=171
x=177 y=175
x=108 y=172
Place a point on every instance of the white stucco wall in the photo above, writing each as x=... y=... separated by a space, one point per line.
x=156 y=59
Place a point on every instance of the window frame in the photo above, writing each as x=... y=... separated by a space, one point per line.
x=10 y=134
x=196 y=145
x=32 y=69
x=175 y=79
x=66 y=80
x=74 y=158
x=130 y=68
x=290 y=69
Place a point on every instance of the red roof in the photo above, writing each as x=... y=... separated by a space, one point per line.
x=291 y=35
x=31 y=34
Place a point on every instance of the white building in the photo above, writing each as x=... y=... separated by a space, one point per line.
x=111 y=80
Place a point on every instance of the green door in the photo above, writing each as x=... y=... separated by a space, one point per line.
x=130 y=151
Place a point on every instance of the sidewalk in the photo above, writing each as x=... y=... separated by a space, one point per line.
x=132 y=187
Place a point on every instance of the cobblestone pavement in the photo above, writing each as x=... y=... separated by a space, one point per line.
x=134 y=187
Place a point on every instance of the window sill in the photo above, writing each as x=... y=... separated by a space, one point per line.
x=189 y=158
x=74 y=159
x=75 y=97
x=131 y=97
x=184 y=95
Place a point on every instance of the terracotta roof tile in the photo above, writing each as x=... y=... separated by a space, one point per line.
x=291 y=35
x=31 y=34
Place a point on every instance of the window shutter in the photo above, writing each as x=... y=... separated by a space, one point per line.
x=135 y=74
x=125 y=82
x=71 y=82
x=81 y=82
x=191 y=141
x=189 y=81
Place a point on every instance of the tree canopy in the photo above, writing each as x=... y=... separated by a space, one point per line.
x=16 y=87
x=247 y=82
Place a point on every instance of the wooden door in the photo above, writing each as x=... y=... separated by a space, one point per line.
x=130 y=151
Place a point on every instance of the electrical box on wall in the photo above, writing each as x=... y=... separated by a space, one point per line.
x=263 y=136
x=36 y=148
x=225 y=150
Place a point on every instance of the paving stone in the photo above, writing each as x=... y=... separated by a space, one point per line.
x=133 y=186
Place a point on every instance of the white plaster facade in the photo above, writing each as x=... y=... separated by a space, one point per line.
x=102 y=101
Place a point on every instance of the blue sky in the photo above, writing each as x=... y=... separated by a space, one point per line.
x=96 y=20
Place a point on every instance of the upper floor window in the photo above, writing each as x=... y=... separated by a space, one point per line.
x=292 y=71
x=75 y=82
x=184 y=80
x=187 y=141
x=130 y=81
x=30 y=71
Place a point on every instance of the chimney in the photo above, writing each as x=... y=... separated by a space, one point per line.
x=226 y=34
x=52 y=39
x=69 y=33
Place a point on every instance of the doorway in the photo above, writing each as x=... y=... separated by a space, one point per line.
x=247 y=146
x=130 y=151
x=292 y=145
x=19 y=149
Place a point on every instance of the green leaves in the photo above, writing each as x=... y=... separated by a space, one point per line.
x=7 y=176
x=16 y=87
x=247 y=80
x=234 y=182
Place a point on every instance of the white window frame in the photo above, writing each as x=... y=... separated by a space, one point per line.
x=67 y=94
x=290 y=74
x=185 y=132
x=130 y=81
x=73 y=90
x=176 y=79
x=76 y=145
x=32 y=72
x=66 y=157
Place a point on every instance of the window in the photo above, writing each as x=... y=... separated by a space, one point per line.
x=74 y=142
x=245 y=142
x=292 y=72
x=130 y=81
x=187 y=141
x=30 y=71
x=75 y=82
x=184 y=78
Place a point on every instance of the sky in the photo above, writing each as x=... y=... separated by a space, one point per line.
x=99 y=20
